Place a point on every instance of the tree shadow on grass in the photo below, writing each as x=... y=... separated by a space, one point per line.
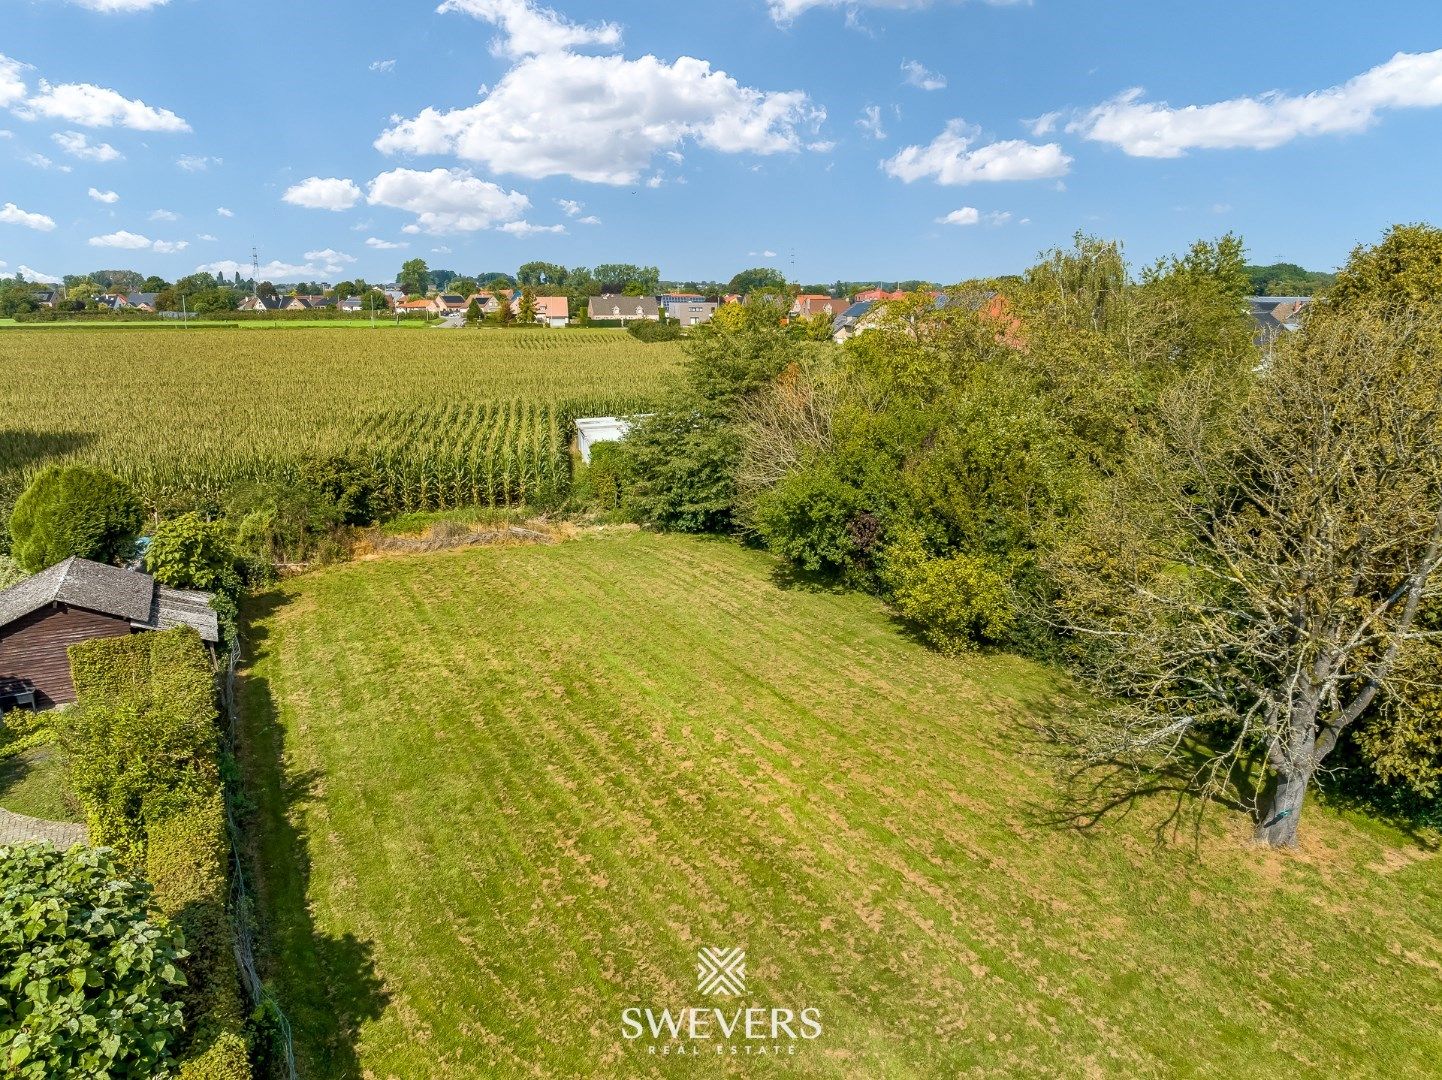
x=327 y=984
x=21 y=450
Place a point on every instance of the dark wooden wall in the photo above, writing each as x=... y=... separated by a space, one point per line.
x=33 y=648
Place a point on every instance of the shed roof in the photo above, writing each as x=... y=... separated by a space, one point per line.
x=111 y=590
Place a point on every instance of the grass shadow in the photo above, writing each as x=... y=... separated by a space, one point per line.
x=22 y=449
x=327 y=984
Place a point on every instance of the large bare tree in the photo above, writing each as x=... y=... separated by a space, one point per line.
x=1254 y=584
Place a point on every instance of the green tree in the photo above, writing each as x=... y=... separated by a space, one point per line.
x=191 y=552
x=74 y=510
x=88 y=980
x=527 y=306
x=415 y=277
x=473 y=313
x=550 y=275
x=758 y=279
x=1404 y=268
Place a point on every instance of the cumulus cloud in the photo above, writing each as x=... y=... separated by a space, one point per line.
x=224 y=212
x=317 y=193
x=967 y=215
x=570 y=206
x=197 y=162
x=870 y=122
x=603 y=119
x=525 y=228
x=207 y=238
x=169 y=247
x=40 y=161
x=920 y=77
x=954 y=158
x=96 y=106
x=128 y=240
x=1157 y=130
x=78 y=144
x=274 y=270
x=447 y=200
x=10 y=214
x=589 y=219
x=12 y=81
x=785 y=11
x=31 y=274
x=528 y=29
x=383 y=245
x=385 y=67
x=106 y=197
x=164 y=215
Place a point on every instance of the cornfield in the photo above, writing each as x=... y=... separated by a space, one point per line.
x=448 y=419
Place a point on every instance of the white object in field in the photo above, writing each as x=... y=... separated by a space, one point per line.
x=591 y=430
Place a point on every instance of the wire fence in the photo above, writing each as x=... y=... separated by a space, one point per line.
x=242 y=906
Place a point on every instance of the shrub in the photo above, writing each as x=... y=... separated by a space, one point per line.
x=601 y=483
x=959 y=602
x=142 y=742
x=648 y=331
x=89 y=979
x=809 y=519
x=189 y=552
x=348 y=485
x=10 y=572
x=74 y=510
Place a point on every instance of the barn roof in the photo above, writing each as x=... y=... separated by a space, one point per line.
x=110 y=590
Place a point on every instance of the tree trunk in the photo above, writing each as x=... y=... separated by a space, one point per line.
x=1278 y=824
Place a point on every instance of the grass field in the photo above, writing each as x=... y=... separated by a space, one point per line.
x=503 y=795
x=450 y=419
x=33 y=783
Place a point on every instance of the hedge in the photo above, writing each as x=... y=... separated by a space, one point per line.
x=143 y=749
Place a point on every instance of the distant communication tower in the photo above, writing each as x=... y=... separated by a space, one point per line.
x=254 y=272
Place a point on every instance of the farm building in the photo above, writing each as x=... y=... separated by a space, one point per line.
x=74 y=601
x=591 y=430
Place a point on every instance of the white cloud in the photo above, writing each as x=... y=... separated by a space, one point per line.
x=385 y=67
x=119 y=6
x=6 y=133
x=271 y=271
x=570 y=206
x=10 y=214
x=32 y=274
x=223 y=212
x=967 y=215
x=589 y=219
x=870 y=122
x=784 y=11
x=197 y=162
x=122 y=239
x=528 y=29
x=169 y=247
x=316 y=193
x=1044 y=124
x=383 y=245
x=1146 y=129
x=78 y=144
x=329 y=255
x=12 y=80
x=96 y=106
x=164 y=215
x=603 y=119
x=40 y=161
x=207 y=238
x=107 y=197
x=525 y=228
x=442 y=250
x=920 y=77
x=952 y=158
x=447 y=200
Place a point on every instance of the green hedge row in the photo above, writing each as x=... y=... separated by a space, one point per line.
x=143 y=749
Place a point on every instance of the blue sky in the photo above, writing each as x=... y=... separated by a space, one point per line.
x=882 y=139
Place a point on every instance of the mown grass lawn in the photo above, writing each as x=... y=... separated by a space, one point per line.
x=34 y=783
x=502 y=795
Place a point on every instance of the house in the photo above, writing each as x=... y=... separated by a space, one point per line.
x=848 y=324
x=79 y=600
x=553 y=311
x=667 y=299
x=394 y=293
x=591 y=430
x=1275 y=316
x=874 y=295
x=46 y=297
x=808 y=304
x=140 y=301
x=691 y=312
x=612 y=308
x=415 y=307
x=261 y=303
x=449 y=304
x=351 y=305
x=308 y=303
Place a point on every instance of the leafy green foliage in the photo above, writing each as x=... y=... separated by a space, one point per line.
x=142 y=741
x=10 y=572
x=960 y=601
x=1404 y=268
x=74 y=510
x=1286 y=279
x=191 y=552
x=88 y=980
x=649 y=330
x=352 y=486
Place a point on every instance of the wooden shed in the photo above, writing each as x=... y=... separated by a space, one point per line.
x=77 y=600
